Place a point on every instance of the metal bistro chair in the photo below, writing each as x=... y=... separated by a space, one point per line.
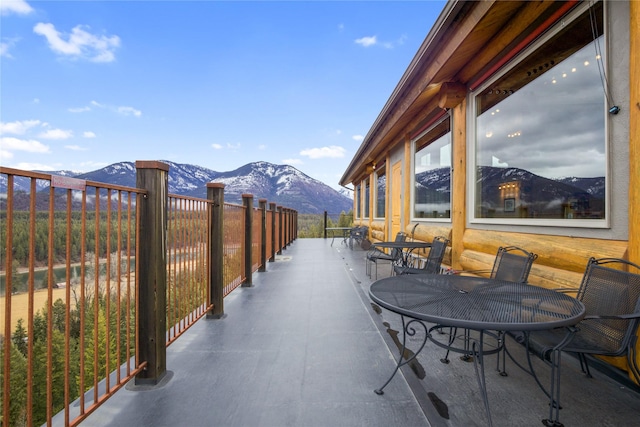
x=431 y=265
x=376 y=255
x=511 y=263
x=611 y=297
x=359 y=236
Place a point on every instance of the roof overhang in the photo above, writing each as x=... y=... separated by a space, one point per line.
x=468 y=41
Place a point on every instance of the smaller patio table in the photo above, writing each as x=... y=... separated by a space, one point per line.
x=480 y=304
x=406 y=248
x=344 y=230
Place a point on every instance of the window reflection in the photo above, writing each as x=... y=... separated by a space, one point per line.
x=358 y=200
x=432 y=173
x=381 y=186
x=540 y=133
x=367 y=195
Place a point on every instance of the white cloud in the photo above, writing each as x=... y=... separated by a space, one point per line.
x=122 y=110
x=15 y=144
x=88 y=134
x=18 y=127
x=332 y=151
x=129 y=111
x=216 y=146
x=56 y=134
x=357 y=137
x=262 y=147
x=292 y=162
x=5 y=45
x=80 y=43
x=367 y=41
x=75 y=148
x=79 y=109
x=373 y=41
x=19 y=7
x=34 y=167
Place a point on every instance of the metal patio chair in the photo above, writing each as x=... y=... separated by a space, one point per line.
x=431 y=264
x=359 y=236
x=376 y=255
x=610 y=293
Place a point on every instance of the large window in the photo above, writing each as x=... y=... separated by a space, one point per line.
x=540 y=154
x=381 y=187
x=432 y=172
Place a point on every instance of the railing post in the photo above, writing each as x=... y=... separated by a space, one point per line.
x=294 y=224
x=153 y=177
x=215 y=195
x=325 y=224
x=280 y=245
x=272 y=207
x=285 y=228
x=247 y=202
x=262 y=204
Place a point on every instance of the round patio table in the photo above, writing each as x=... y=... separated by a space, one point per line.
x=476 y=303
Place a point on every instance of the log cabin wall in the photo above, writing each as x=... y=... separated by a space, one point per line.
x=468 y=45
x=377 y=231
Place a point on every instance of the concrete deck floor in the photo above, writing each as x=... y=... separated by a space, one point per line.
x=305 y=347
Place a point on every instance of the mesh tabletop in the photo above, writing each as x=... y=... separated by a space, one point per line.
x=476 y=302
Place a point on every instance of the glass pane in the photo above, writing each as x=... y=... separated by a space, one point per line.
x=432 y=174
x=358 y=201
x=540 y=133
x=381 y=186
x=367 y=196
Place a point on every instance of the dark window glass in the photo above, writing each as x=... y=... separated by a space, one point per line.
x=540 y=131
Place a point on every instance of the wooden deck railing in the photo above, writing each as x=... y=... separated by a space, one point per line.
x=96 y=280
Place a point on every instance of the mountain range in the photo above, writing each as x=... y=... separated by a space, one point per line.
x=280 y=184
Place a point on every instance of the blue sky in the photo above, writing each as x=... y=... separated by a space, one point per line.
x=218 y=84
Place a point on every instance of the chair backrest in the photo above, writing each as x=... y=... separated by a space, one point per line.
x=436 y=254
x=512 y=264
x=359 y=232
x=400 y=237
x=610 y=291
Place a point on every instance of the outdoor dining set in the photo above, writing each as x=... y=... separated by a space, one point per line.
x=482 y=313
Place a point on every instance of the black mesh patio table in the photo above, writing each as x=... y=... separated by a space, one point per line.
x=344 y=231
x=406 y=248
x=475 y=303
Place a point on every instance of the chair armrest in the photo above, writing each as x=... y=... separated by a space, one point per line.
x=453 y=271
x=613 y=316
x=566 y=290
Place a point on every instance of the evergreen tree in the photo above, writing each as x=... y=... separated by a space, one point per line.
x=19 y=338
x=18 y=390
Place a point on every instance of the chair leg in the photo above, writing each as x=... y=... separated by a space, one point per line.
x=584 y=365
x=502 y=342
x=554 y=401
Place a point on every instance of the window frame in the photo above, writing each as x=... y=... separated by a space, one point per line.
x=605 y=223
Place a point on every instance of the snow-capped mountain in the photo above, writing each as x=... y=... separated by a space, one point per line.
x=281 y=184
